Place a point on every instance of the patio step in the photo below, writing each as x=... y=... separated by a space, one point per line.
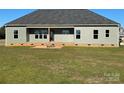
x=50 y=46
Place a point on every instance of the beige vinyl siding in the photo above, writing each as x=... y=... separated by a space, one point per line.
x=87 y=35
x=22 y=35
x=64 y=38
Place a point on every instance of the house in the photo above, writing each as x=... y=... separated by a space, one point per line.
x=68 y=27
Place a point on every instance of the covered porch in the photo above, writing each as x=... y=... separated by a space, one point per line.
x=36 y=35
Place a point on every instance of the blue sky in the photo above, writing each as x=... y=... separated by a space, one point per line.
x=7 y=15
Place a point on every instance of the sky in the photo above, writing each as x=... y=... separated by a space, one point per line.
x=7 y=15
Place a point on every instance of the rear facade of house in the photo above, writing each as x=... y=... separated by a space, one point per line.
x=78 y=27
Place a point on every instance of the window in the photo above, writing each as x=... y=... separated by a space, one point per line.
x=77 y=34
x=107 y=33
x=15 y=34
x=95 y=34
x=45 y=36
x=36 y=36
x=65 y=31
x=40 y=36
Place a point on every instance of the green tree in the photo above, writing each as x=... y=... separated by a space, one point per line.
x=2 y=32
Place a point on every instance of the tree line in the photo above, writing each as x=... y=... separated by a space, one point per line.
x=2 y=32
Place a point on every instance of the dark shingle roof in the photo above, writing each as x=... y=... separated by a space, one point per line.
x=62 y=16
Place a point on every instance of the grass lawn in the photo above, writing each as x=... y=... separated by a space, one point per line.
x=66 y=65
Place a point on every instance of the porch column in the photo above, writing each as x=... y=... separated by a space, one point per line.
x=49 y=34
